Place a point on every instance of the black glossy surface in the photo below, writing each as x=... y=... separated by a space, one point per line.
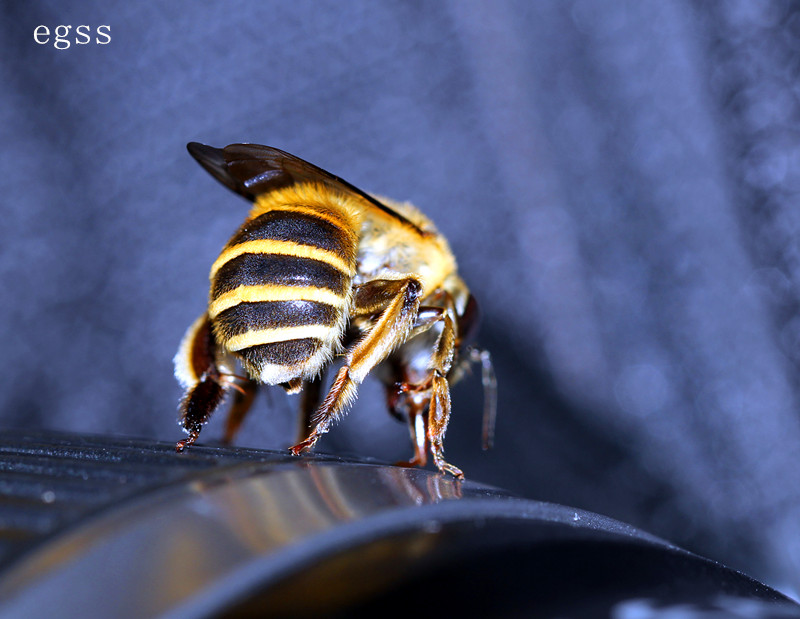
x=226 y=532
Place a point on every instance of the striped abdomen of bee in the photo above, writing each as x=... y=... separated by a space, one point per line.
x=280 y=289
x=278 y=303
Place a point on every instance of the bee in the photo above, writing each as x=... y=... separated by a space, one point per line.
x=321 y=269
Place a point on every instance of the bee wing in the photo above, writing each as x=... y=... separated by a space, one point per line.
x=251 y=170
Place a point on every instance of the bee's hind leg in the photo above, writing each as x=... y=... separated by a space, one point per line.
x=196 y=368
x=197 y=407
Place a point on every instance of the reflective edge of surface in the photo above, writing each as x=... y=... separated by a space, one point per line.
x=183 y=549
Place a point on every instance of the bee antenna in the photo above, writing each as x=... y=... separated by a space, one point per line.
x=489 y=381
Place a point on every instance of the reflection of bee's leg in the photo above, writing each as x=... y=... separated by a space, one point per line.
x=208 y=389
x=439 y=411
x=398 y=304
x=242 y=400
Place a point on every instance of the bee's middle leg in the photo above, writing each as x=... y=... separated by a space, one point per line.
x=411 y=402
x=244 y=393
x=398 y=303
x=310 y=399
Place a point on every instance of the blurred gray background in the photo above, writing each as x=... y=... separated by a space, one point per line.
x=619 y=181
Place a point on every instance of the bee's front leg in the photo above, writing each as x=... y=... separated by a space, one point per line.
x=432 y=394
x=439 y=411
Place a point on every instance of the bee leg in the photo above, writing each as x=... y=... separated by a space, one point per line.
x=408 y=402
x=196 y=367
x=439 y=411
x=342 y=392
x=243 y=396
x=198 y=405
x=431 y=434
x=438 y=418
x=310 y=398
x=398 y=303
x=414 y=398
x=419 y=439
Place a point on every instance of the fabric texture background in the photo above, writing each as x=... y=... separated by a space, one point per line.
x=619 y=181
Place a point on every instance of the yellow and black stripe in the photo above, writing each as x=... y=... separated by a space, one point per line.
x=280 y=290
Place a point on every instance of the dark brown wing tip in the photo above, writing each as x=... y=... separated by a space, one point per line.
x=215 y=163
x=207 y=156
